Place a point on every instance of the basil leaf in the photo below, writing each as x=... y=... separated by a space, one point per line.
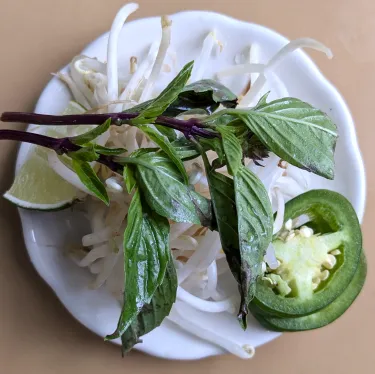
x=167 y=96
x=166 y=146
x=215 y=145
x=89 y=178
x=168 y=132
x=129 y=178
x=244 y=221
x=108 y=151
x=232 y=148
x=163 y=188
x=84 y=154
x=185 y=149
x=294 y=131
x=204 y=210
x=153 y=314
x=146 y=255
x=92 y=134
x=224 y=206
x=255 y=223
x=205 y=94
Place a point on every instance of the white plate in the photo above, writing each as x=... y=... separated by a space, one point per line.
x=46 y=234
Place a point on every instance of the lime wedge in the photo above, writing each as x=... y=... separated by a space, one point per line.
x=39 y=187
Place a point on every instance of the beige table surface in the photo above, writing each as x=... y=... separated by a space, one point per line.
x=37 y=335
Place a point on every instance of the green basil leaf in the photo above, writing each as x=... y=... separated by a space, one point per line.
x=88 y=177
x=166 y=146
x=255 y=223
x=84 y=154
x=92 y=134
x=163 y=188
x=168 y=132
x=129 y=178
x=185 y=149
x=108 y=151
x=232 y=148
x=224 y=206
x=205 y=94
x=204 y=210
x=153 y=314
x=215 y=145
x=294 y=131
x=167 y=96
x=146 y=256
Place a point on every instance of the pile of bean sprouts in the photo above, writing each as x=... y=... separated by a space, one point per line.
x=205 y=282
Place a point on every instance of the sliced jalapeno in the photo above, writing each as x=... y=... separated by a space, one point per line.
x=324 y=316
x=317 y=260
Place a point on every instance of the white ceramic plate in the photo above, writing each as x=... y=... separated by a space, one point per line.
x=46 y=234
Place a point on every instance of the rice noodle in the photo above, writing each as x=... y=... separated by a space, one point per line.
x=278 y=224
x=193 y=326
x=226 y=305
x=166 y=24
x=201 y=62
x=139 y=75
x=112 y=71
x=77 y=94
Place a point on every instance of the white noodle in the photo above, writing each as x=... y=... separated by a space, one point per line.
x=112 y=73
x=97 y=237
x=192 y=325
x=206 y=252
x=139 y=75
x=278 y=224
x=96 y=253
x=156 y=69
x=226 y=305
x=201 y=62
x=294 y=45
x=77 y=94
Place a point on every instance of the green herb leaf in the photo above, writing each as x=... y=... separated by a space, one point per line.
x=185 y=149
x=168 y=132
x=129 y=178
x=294 y=131
x=255 y=223
x=84 y=154
x=88 y=177
x=108 y=151
x=204 y=210
x=166 y=98
x=224 y=206
x=163 y=187
x=166 y=146
x=215 y=145
x=92 y=134
x=153 y=314
x=232 y=148
x=205 y=94
x=146 y=255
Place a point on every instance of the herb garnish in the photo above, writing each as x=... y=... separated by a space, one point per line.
x=239 y=208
